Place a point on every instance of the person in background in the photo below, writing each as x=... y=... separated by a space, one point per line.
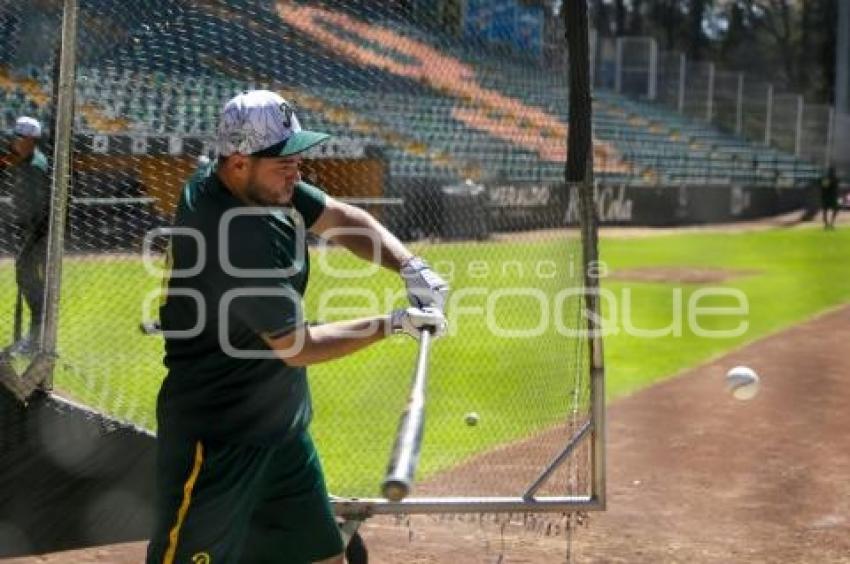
x=30 y=191
x=829 y=198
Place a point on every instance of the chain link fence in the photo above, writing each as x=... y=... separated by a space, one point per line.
x=789 y=141
x=456 y=142
x=670 y=77
x=756 y=109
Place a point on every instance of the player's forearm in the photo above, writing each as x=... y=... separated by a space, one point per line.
x=329 y=341
x=364 y=236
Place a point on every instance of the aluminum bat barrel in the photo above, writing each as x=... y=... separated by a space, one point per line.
x=405 y=454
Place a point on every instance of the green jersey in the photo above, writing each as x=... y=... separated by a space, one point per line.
x=31 y=195
x=242 y=274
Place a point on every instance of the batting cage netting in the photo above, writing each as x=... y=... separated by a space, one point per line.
x=451 y=130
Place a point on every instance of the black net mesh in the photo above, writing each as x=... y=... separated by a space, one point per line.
x=451 y=130
x=29 y=47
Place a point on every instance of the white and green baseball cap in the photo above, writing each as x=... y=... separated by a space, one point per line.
x=260 y=123
x=27 y=127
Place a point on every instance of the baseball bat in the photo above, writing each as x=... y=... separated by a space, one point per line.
x=405 y=454
x=19 y=316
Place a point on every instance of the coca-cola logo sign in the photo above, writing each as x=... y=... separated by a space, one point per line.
x=612 y=205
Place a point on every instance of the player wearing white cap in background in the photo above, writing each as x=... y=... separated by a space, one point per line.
x=30 y=191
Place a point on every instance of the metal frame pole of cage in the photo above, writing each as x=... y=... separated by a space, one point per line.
x=368 y=507
x=683 y=69
x=590 y=257
x=60 y=190
x=768 y=122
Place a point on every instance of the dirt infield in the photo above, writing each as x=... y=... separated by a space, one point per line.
x=679 y=275
x=693 y=476
x=696 y=476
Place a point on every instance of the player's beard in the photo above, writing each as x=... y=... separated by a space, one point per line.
x=259 y=194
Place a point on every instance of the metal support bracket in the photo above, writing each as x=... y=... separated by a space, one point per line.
x=562 y=457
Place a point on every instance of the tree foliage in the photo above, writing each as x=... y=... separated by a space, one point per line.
x=788 y=42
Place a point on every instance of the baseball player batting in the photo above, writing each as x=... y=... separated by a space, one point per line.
x=238 y=476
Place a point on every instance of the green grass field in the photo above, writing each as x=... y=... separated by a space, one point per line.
x=798 y=273
x=517 y=384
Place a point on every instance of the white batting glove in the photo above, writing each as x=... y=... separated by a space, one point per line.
x=414 y=320
x=425 y=288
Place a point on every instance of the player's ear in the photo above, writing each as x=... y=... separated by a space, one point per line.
x=237 y=162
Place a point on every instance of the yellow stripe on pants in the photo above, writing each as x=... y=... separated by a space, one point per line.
x=184 y=506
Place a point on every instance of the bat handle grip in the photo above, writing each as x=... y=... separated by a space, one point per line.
x=395 y=489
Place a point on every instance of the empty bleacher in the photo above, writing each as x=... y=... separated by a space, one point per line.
x=170 y=71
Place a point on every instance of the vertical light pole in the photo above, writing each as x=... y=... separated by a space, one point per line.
x=798 y=137
x=739 y=108
x=709 y=105
x=683 y=69
x=768 y=122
